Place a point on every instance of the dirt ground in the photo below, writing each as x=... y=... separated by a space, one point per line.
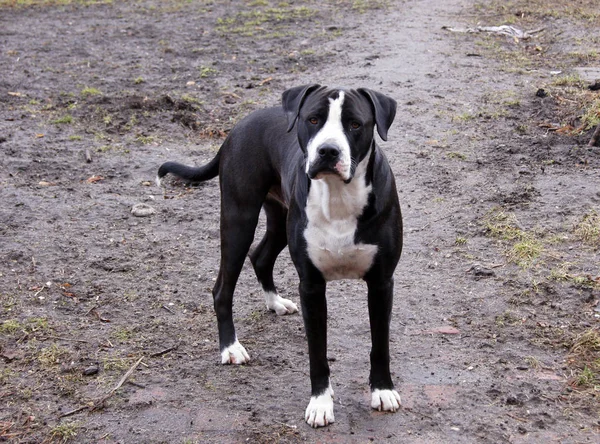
x=495 y=332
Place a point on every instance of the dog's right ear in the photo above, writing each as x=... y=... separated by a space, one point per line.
x=292 y=101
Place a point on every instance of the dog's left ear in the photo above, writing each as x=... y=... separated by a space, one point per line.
x=292 y=101
x=384 y=108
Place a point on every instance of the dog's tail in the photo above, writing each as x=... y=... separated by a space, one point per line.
x=191 y=174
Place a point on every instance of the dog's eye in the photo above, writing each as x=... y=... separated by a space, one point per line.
x=355 y=125
x=313 y=120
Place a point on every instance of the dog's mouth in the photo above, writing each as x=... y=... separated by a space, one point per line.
x=322 y=170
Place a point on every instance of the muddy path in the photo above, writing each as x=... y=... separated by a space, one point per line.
x=495 y=326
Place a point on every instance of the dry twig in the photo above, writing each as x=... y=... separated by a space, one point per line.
x=101 y=401
x=164 y=352
x=59 y=338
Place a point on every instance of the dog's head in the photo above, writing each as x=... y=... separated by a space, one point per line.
x=335 y=126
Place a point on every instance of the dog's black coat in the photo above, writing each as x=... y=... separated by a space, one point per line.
x=262 y=164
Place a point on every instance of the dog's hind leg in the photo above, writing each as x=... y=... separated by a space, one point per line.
x=264 y=256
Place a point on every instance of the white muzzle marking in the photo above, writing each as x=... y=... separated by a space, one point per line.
x=332 y=133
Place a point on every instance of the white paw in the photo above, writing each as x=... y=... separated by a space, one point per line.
x=385 y=400
x=319 y=412
x=235 y=354
x=279 y=305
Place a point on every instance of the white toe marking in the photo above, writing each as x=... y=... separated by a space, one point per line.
x=235 y=354
x=385 y=400
x=319 y=412
x=279 y=305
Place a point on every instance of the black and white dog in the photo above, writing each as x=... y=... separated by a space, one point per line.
x=329 y=193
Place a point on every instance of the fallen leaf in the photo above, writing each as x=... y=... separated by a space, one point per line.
x=94 y=179
x=39 y=136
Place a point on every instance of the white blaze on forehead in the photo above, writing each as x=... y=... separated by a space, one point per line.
x=332 y=133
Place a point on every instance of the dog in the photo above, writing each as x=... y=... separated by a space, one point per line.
x=330 y=195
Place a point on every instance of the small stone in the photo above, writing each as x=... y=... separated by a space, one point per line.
x=142 y=210
x=91 y=370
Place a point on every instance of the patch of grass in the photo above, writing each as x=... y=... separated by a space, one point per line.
x=587 y=344
x=138 y=80
x=457 y=156
x=586 y=57
x=531 y=12
x=563 y=273
x=30 y=325
x=5 y=375
x=507 y=319
x=502 y=225
x=75 y=138
x=533 y=362
x=552 y=337
x=52 y=356
x=146 y=140
x=11 y=326
x=526 y=251
x=524 y=248
x=572 y=80
x=279 y=20
x=588 y=230
x=64 y=432
x=64 y=120
x=24 y=3
x=37 y=324
x=123 y=334
x=464 y=117
x=89 y=91
x=584 y=358
x=363 y=6
x=190 y=99
x=460 y=240
x=591 y=115
x=133 y=121
x=206 y=71
x=585 y=378
x=116 y=364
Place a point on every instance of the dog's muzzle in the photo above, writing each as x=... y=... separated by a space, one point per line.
x=328 y=162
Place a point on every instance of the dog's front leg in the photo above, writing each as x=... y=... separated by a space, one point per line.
x=383 y=395
x=319 y=412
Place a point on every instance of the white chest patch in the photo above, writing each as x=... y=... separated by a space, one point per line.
x=332 y=209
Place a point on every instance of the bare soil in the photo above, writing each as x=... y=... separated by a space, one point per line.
x=495 y=327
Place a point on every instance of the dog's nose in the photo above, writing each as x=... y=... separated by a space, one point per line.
x=329 y=152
